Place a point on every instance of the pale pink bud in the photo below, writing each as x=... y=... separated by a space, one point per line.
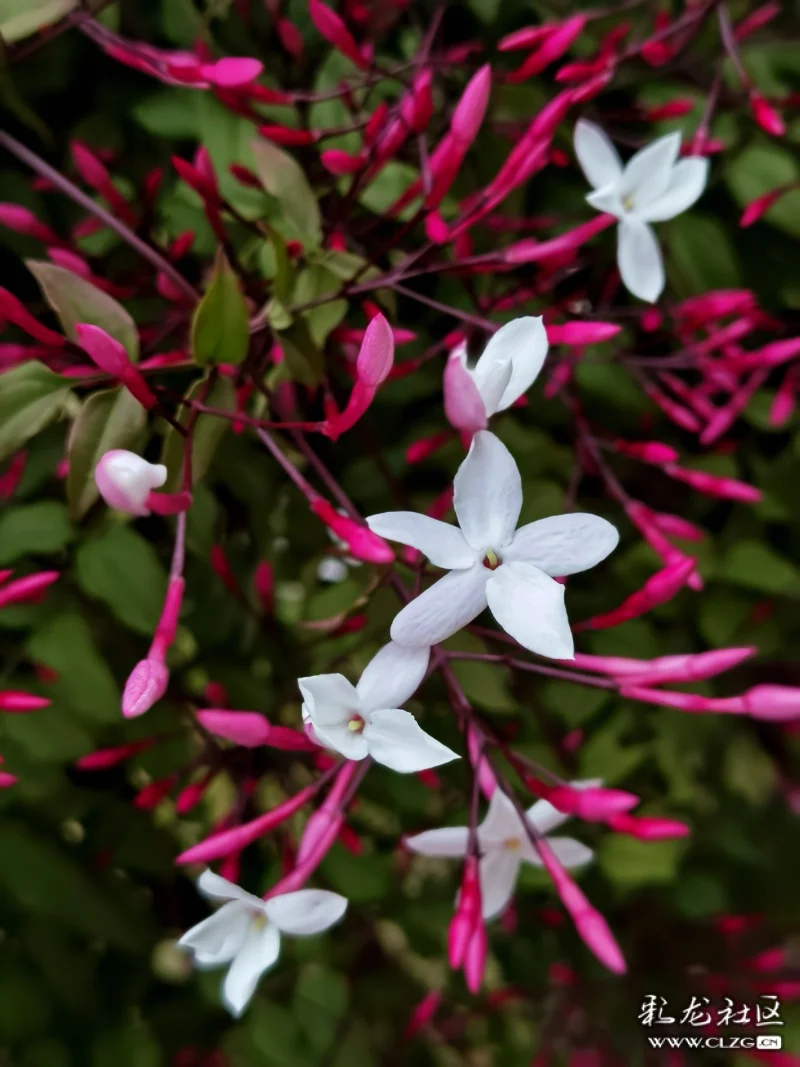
x=775 y=703
x=250 y=729
x=471 y=108
x=13 y=700
x=104 y=758
x=691 y=702
x=531 y=251
x=28 y=589
x=359 y=540
x=227 y=842
x=767 y=117
x=423 y=1013
x=693 y=667
x=463 y=405
x=376 y=357
x=335 y=32
x=581 y=333
x=146 y=685
x=648 y=827
x=232 y=72
x=21 y=220
x=676 y=526
x=14 y=311
x=111 y=357
x=125 y=480
x=715 y=485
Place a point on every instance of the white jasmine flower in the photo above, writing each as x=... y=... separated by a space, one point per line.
x=246 y=931
x=504 y=845
x=491 y=562
x=651 y=187
x=365 y=720
x=125 y=480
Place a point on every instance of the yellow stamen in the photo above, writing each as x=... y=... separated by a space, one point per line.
x=627 y=202
x=513 y=844
x=356 y=724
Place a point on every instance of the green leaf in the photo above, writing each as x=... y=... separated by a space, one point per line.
x=75 y=300
x=122 y=569
x=109 y=419
x=314 y=282
x=759 y=169
x=220 y=325
x=33 y=529
x=387 y=186
x=30 y=397
x=631 y=863
x=320 y=1001
x=20 y=18
x=608 y=755
x=360 y=878
x=749 y=770
x=283 y=177
x=208 y=431
x=85 y=682
x=701 y=253
x=302 y=357
x=755 y=565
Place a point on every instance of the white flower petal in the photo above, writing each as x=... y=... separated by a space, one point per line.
x=529 y=605
x=523 y=344
x=328 y=699
x=218 y=888
x=392 y=676
x=639 y=260
x=498 y=872
x=646 y=175
x=308 y=911
x=259 y=953
x=563 y=544
x=217 y=939
x=487 y=493
x=396 y=740
x=607 y=200
x=446 y=841
x=340 y=738
x=443 y=609
x=568 y=852
x=492 y=373
x=500 y=822
x=443 y=544
x=596 y=154
x=686 y=184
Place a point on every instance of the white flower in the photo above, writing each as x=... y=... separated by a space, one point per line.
x=506 y=369
x=246 y=931
x=365 y=720
x=503 y=845
x=125 y=480
x=490 y=561
x=651 y=187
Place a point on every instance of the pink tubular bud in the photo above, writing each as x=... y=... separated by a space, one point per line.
x=767 y=117
x=360 y=541
x=146 y=685
x=7 y=780
x=287 y=135
x=27 y=590
x=675 y=109
x=471 y=108
x=232 y=71
x=319 y=834
x=475 y=957
x=13 y=310
x=422 y=1014
x=463 y=404
x=104 y=758
x=338 y=162
x=110 y=356
x=264 y=584
x=527 y=37
x=785 y=400
x=467 y=916
x=227 y=842
x=658 y=589
x=251 y=730
x=771 y=355
x=773 y=703
x=647 y=451
x=417 y=109
x=13 y=700
x=291 y=38
x=21 y=220
x=589 y=923
x=553 y=47
x=693 y=667
x=169 y=503
x=168 y=623
x=335 y=32
x=152 y=795
x=581 y=333
x=648 y=827
x=714 y=485
x=594 y=804
x=94 y=173
x=376 y=357
x=530 y=251
x=691 y=702
x=757 y=19
x=676 y=526
x=756 y=209
x=426 y=446
x=191 y=795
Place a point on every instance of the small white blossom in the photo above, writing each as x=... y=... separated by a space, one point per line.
x=365 y=720
x=491 y=562
x=125 y=480
x=504 y=845
x=652 y=187
x=246 y=931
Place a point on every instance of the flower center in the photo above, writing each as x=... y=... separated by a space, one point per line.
x=491 y=560
x=259 y=920
x=513 y=844
x=356 y=724
x=627 y=202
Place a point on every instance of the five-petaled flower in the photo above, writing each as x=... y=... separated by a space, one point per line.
x=504 y=844
x=365 y=720
x=490 y=561
x=505 y=371
x=651 y=187
x=246 y=931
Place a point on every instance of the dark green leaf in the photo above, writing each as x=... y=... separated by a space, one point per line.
x=208 y=431
x=283 y=178
x=34 y=529
x=30 y=397
x=220 y=325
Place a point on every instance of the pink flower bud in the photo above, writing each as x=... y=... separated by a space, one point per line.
x=146 y=685
x=530 y=251
x=676 y=526
x=111 y=358
x=693 y=667
x=674 y=109
x=291 y=37
x=657 y=590
x=581 y=333
x=756 y=209
x=527 y=37
x=648 y=827
x=774 y=703
x=767 y=117
x=335 y=32
x=648 y=451
x=359 y=540
x=467 y=916
x=14 y=311
x=104 y=758
x=471 y=108
x=423 y=1013
x=714 y=485
x=785 y=400
x=21 y=220
x=463 y=405
x=320 y=832
x=553 y=47
x=691 y=702
x=376 y=356
x=286 y=135
x=756 y=19
x=772 y=959
x=94 y=173
x=7 y=780
x=247 y=728
x=125 y=480
x=226 y=842
x=191 y=795
x=338 y=162
x=152 y=795
x=169 y=503
x=417 y=108
x=475 y=957
x=594 y=803
x=232 y=71
x=27 y=590
x=13 y=700
x=264 y=583
x=426 y=447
